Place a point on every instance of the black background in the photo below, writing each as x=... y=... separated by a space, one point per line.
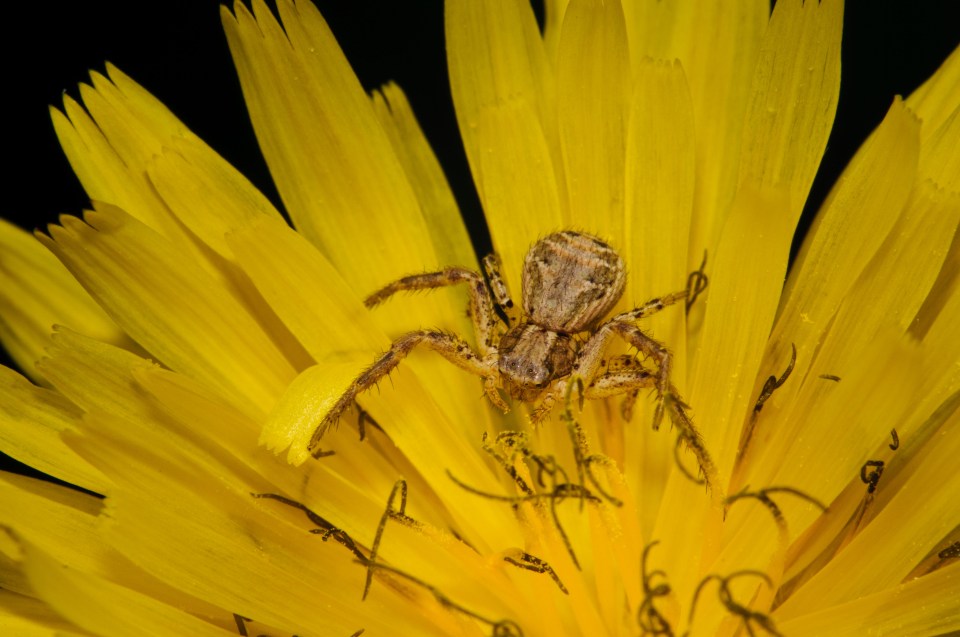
x=177 y=50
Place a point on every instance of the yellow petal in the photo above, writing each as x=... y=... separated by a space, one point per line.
x=499 y=81
x=280 y=573
x=36 y=292
x=593 y=60
x=660 y=189
x=29 y=617
x=31 y=419
x=106 y=608
x=174 y=309
x=936 y=99
x=206 y=193
x=921 y=513
x=855 y=219
x=793 y=99
x=301 y=408
x=754 y=247
x=659 y=203
x=336 y=171
x=922 y=606
x=735 y=329
x=110 y=147
x=940 y=152
x=447 y=231
x=304 y=289
x=718 y=44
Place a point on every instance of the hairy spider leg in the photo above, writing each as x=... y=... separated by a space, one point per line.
x=630 y=381
x=498 y=286
x=451 y=347
x=481 y=307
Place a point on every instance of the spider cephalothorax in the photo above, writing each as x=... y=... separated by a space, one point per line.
x=571 y=280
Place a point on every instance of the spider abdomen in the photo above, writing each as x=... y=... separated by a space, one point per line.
x=571 y=281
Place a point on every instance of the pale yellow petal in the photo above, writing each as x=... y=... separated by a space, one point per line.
x=36 y=292
x=447 y=230
x=793 y=98
x=593 y=94
x=170 y=306
x=31 y=419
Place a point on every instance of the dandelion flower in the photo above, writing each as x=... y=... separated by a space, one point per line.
x=200 y=340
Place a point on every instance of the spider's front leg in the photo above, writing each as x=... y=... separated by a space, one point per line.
x=451 y=347
x=592 y=353
x=481 y=308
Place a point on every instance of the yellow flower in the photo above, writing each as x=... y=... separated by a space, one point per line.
x=201 y=340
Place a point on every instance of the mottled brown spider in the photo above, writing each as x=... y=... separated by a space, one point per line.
x=571 y=280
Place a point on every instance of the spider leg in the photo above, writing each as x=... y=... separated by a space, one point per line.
x=501 y=293
x=629 y=382
x=451 y=347
x=481 y=308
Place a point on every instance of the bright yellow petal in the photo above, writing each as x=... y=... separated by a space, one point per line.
x=37 y=292
x=447 y=231
x=31 y=419
x=29 y=617
x=936 y=100
x=593 y=60
x=171 y=307
x=330 y=158
x=206 y=193
x=106 y=608
x=854 y=221
x=497 y=67
x=917 y=517
x=659 y=204
x=924 y=606
x=793 y=99
x=718 y=44
x=738 y=318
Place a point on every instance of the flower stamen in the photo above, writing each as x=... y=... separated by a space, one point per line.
x=726 y=598
x=648 y=617
x=533 y=563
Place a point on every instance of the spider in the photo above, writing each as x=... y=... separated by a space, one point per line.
x=570 y=281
